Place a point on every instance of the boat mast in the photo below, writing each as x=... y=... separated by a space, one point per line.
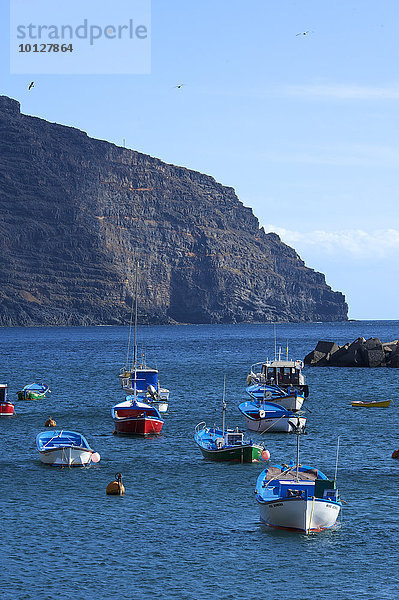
x=135 y=317
x=134 y=305
x=224 y=405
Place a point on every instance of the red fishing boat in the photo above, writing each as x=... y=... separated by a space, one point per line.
x=135 y=417
x=6 y=406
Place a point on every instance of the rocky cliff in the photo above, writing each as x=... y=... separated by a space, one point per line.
x=76 y=212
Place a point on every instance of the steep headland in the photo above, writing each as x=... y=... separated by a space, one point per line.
x=76 y=212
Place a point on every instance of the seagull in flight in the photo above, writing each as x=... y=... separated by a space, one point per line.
x=304 y=32
x=179 y=86
x=31 y=85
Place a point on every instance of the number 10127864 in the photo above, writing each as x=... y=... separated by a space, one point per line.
x=45 y=48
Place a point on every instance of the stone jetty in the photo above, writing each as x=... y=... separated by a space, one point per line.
x=360 y=353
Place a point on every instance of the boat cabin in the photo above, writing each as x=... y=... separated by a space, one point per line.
x=144 y=378
x=283 y=373
x=3 y=392
x=320 y=488
x=234 y=437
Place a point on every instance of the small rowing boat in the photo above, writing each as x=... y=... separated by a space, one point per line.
x=65 y=448
x=371 y=403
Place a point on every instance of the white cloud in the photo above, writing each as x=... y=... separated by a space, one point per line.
x=353 y=243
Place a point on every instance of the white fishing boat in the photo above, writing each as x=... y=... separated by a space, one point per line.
x=269 y=416
x=65 y=448
x=297 y=497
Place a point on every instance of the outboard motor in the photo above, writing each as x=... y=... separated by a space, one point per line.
x=152 y=391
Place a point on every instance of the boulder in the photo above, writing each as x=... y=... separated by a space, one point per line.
x=393 y=360
x=326 y=347
x=353 y=356
x=373 y=353
x=314 y=358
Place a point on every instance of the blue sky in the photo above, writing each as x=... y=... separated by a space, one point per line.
x=304 y=127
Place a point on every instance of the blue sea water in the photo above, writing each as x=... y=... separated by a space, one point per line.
x=186 y=528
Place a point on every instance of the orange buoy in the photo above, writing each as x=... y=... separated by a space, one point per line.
x=395 y=454
x=116 y=487
x=50 y=422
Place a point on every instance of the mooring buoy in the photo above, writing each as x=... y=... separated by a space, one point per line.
x=50 y=422
x=116 y=487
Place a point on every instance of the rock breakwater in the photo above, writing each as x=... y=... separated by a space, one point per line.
x=359 y=353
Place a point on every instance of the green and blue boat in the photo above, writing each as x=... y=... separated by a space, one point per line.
x=33 y=391
x=227 y=444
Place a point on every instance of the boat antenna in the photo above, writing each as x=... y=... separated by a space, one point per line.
x=224 y=404
x=275 y=343
x=135 y=315
x=336 y=460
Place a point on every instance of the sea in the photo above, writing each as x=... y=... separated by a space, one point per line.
x=186 y=528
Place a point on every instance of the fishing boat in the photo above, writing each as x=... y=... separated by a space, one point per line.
x=227 y=444
x=65 y=448
x=283 y=372
x=371 y=403
x=291 y=399
x=297 y=497
x=269 y=416
x=33 y=391
x=135 y=417
x=138 y=378
x=6 y=406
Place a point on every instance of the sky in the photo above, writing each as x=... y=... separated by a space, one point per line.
x=303 y=126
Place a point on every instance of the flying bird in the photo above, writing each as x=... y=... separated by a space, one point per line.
x=179 y=86
x=31 y=85
x=304 y=32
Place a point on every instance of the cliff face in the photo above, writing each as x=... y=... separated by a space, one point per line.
x=76 y=212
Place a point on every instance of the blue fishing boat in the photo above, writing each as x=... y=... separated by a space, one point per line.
x=269 y=416
x=226 y=445
x=297 y=497
x=291 y=398
x=65 y=448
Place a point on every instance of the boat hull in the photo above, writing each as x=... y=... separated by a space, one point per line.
x=6 y=409
x=371 y=404
x=138 y=426
x=275 y=424
x=245 y=454
x=314 y=514
x=66 y=456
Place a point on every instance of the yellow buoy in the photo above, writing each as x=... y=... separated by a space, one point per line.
x=116 y=487
x=50 y=422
